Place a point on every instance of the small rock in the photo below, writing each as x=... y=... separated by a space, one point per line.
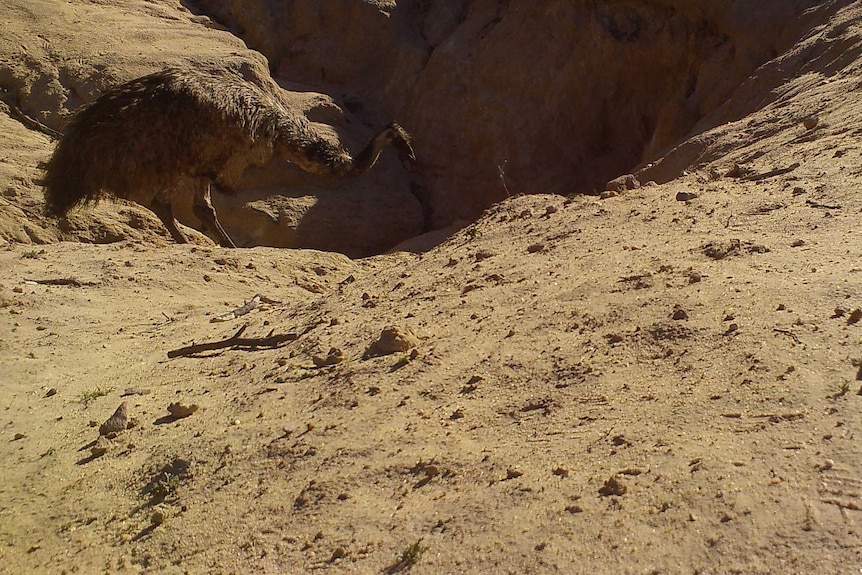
x=855 y=316
x=679 y=314
x=51 y=392
x=179 y=411
x=512 y=473
x=18 y=436
x=826 y=465
x=392 y=340
x=158 y=517
x=335 y=356
x=781 y=307
x=608 y=194
x=731 y=329
x=810 y=122
x=623 y=183
x=686 y=196
x=535 y=248
x=117 y=422
x=694 y=277
x=613 y=486
x=100 y=447
x=797 y=243
x=339 y=553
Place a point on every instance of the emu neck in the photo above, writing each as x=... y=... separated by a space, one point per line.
x=368 y=156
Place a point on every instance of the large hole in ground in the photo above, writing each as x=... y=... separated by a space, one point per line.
x=541 y=97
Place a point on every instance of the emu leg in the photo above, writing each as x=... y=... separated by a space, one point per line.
x=206 y=213
x=165 y=212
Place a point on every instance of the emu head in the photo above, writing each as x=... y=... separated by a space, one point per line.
x=397 y=137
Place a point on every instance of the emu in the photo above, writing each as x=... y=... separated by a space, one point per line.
x=177 y=132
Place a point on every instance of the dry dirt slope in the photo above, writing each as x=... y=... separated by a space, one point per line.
x=547 y=362
x=704 y=354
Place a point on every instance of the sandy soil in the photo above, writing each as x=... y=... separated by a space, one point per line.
x=629 y=385
x=664 y=381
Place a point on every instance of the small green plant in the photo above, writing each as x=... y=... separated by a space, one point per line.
x=93 y=394
x=843 y=389
x=165 y=486
x=30 y=255
x=408 y=557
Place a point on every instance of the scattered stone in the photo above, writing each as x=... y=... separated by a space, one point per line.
x=158 y=517
x=574 y=509
x=613 y=486
x=725 y=517
x=339 y=553
x=117 y=422
x=512 y=473
x=855 y=316
x=839 y=312
x=335 y=356
x=100 y=447
x=608 y=194
x=731 y=329
x=483 y=255
x=686 y=196
x=679 y=314
x=179 y=411
x=392 y=340
x=797 y=243
x=561 y=472
x=550 y=210
x=135 y=391
x=18 y=436
x=811 y=122
x=51 y=392
x=623 y=183
x=781 y=307
x=535 y=248
x=721 y=250
x=826 y=465
x=694 y=277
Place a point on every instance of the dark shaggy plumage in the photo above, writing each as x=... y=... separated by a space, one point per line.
x=178 y=131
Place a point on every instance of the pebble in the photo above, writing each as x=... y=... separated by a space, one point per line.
x=335 y=356
x=101 y=447
x=679 y=314
x=51 y=392
x=117 y=422
x=810 y=122
x=855 y=316
x=613 y=486
x=178 y=410
x=686 y=196
x=826 y=465
x=392 y=340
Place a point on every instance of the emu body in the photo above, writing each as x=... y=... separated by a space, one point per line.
x=178 y=132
